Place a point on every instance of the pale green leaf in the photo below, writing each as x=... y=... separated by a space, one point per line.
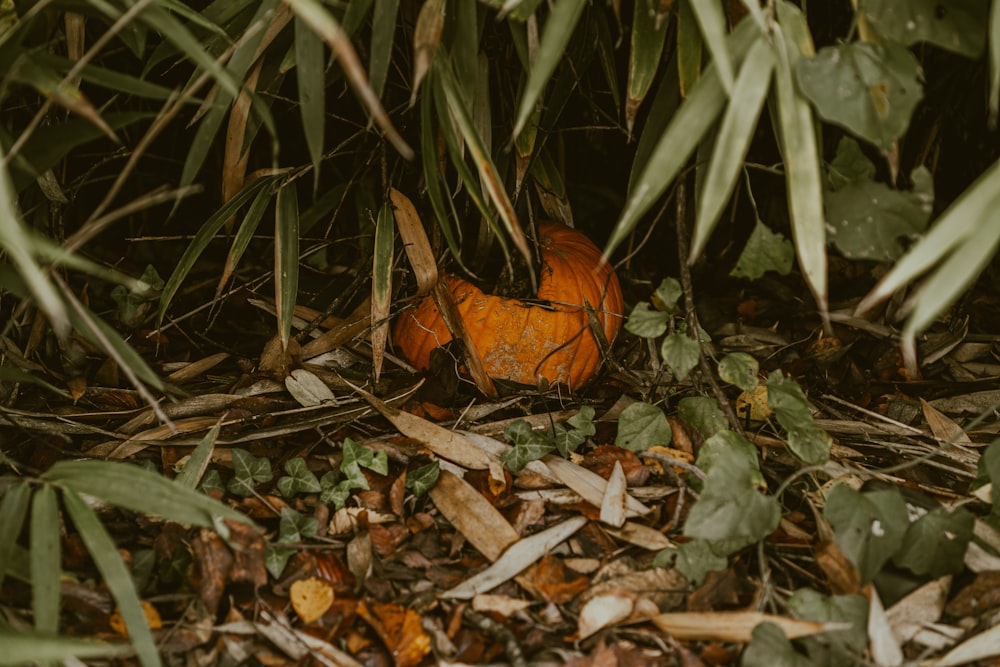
x=730 y=508
x=641 y=426
x=806 y=439
x=309 y=66
x=558 y=29
x=22 y=648
x=13 y=511
x=712 y=22
x=115 y=574
x=740 y=369
x=45 y=559
x=645 y=322
x=956 y=25
x=195 y=467
x=737 y=129
x=649 y=30
x=868 y=527
x=764 y=251
x=681 y=354
x=286 y=258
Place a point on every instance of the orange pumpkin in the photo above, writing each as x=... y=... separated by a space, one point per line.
x=527 y=342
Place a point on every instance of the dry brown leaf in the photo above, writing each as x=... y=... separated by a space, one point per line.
x=589 y=485
x=882 y=644
x=615 y=495
x=196 y=369
x=473 y=516
x=642 y=535
x=307 y=389
x=733 y=626
x=152 y=618
x=311 y=598
x=445 y=443
x=603 y=611
x=918 y=609
x=499 y=604
x=400 y=630
x=944 y=428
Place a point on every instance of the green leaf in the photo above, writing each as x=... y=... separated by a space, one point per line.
x=667 y=297
x=740 y=369
x=956 y=25
x=806 y=439
x=703 y=413
x=868 y=220
x=422 y=479
x=769 y=647
x=641 y=426
x=116 y=575
x=46 y=557
x=799 y=151
x=764 y=251
x=813 y=606
x=695 y=559
x=286 y=258
x=13 y=510
x=294 y=527
x=689 y=47
x=276 y=559
x=300 y=479
x=581 y=427
x=730 y=508
x=869 y=89
x=733 y=140
x=686 y=129
x=712 y=22
x=935 y=544
x=729 y=445
x=249 y=471
x=558 y=29
x=868 y=527
x=131 y=487
x=988 y=469
x=645 y=322
x=994 y=98
x=21 y=648
x=649 y=30
x=335 y=491
x=528 y=445
x=309 y=76
x=358 y=456
x=681 y=354
x=383 y=31
x=849 y=165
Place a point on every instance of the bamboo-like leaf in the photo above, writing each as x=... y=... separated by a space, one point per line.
x=286 y=258
x=689 y=47
x=383 y=32
x=116 y=576
x=688 y=125
x=107 y=78
x=140 y=490
x=13 y=510
x=385 y=233
x=243 y=236
x=426 y=37
x=958 y=223
x=415 y=243
x=320 y=20
x=205 y=234
x=994 y=39
x=16 y=243
x=45 y=560
x=22 y=648
x=309 y=76
x=555 y=37
x=443 y=207
x=649 y=30
x=606 y=55
x=954 y=276
x=463 y=50
x=712 y=22
x=237 y=152
x=733 y=140
x=800 y=154
x=487 y=170
x=355 y=15
x=197 y=463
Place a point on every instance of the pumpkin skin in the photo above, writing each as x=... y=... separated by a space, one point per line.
x=545 y=341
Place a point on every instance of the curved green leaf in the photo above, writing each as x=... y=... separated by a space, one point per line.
x=309 y=66
x=712 y=22
x=286 y=258
x=649 y=30
x=555 y=37
x=733 y=140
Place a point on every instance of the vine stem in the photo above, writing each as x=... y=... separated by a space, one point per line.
x=683 y=250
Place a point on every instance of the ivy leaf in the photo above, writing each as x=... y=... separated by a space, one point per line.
x=249 y=471
x=959 y=26
x=422 y=479
x=730 y=508
x=806 y=439
x=868 y=220
x=276 y=558
x=740 y=369
x=681 y=354
x=582 y=427
x=703 y=413
x=868 y=527
x=295 y=527
x=869 y=89
x=641 y=426
x=645 y=322
x=357 y=457
x=769 y=647
x=300 y=479
x=667 y=296
x=764 y=251
x=529 y=445
x=583 y=421
x=728 y=444
x=935 y=544
x=694 y=559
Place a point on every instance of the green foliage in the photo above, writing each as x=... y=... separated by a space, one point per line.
x=423 y=479
x=531 y=444
x=641 y=426
x=868 y=526
x=806 y=439
x=248 y=472
x=740 y=369
x=703 y=413
x=293 y=528
x=300 y=479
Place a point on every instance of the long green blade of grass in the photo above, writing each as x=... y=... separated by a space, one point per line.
x=309 y=66
x=13 y=511
x=116 y=577
x=22 y=648
x=286 y=258
x=45 y=560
